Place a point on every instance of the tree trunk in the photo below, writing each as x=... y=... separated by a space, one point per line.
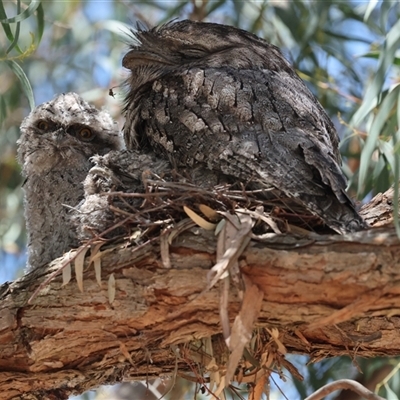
x=326 y=296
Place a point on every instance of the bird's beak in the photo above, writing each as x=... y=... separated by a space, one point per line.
x=58 y=135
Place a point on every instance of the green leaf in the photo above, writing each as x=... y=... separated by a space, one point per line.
x=24 y=15
x=389 y=392
x=345 y=37
x=6 y=26
x=17 y=31
x=385 y=109
x=385 y=9
x=376 y=54
x=371 y=6
x=40 y=22
x=25 y=84
x=391 y=45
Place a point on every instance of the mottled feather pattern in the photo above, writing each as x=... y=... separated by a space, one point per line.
x=213 y=95
x=58 y=138
x=205 y=101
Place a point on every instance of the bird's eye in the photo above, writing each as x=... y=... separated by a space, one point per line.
x=43 y=125
x=86 y=134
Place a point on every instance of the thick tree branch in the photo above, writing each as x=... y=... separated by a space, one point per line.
x=327 y=296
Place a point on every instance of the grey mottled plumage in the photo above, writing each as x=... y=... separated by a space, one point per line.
x=126 y=171
x=213 y=95
x=57 y=140
x=116 y=171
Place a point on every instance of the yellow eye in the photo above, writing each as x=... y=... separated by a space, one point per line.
x=85 y=134
x=43 y=125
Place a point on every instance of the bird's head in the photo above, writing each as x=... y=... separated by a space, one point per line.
x=186 y=44
x=64 y=133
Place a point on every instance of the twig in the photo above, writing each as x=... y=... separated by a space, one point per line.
x=347 y=384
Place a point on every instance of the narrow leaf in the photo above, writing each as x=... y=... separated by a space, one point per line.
x=66 y=274
x=24 y=15
x=197 y=219
x=243 y=326
x=79 y=263
x=371 y=6
x=371 y=143
x=25 y=84
x=236 y=247
x=111 y=289
x=391 y=45
x=14 y=43
x=97 y=270
x=40 y=22
x=208 y=212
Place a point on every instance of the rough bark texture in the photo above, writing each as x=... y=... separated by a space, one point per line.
x=327 y=296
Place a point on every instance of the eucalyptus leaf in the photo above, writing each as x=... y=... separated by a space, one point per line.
x=371 y=143
x=25 y=84
x=24 y=15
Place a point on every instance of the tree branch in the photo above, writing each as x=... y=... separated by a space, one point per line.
x=326 y=295
x=341 y=384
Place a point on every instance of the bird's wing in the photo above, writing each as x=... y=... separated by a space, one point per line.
x=257 y=125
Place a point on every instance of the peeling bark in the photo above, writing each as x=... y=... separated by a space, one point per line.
x=327 y=296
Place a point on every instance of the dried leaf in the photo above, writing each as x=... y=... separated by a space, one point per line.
x=232 y=218
x=180 y=227
x=97 y=270
x=243 y=326
x=164 y=251
x=200 y=221
x=302 y=338
x=258 y=390
x=291 y=368
x=240 y=375
x=95 y=258
x=79 y=263
x=66 y=274
x=274 y=332
x=221 y=387
x=237 y=243
x=298 y=230
x=111 y=289
x=249 y=358
x=223 y=309
x=212 y=367
x=220 y=226
x=125 y=352
x=224 y=289
x=260 y=215
x=100 y=254
x=251 y=378
x=267 y=359
x=208 y=212
x=135 y=235
x=94 y=249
